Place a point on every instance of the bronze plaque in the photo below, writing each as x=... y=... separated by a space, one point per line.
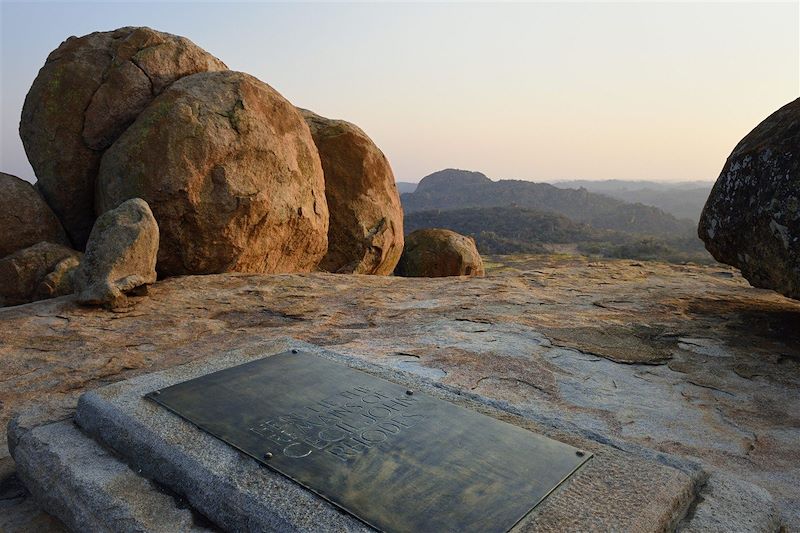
x=398 y=460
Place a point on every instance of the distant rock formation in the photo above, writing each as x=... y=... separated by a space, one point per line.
x=456 y=189
x=86 y=94
x=25 y=218
x=120 y=255
x=44 y=270
x=752 y=217
x=232 y=175
x=366 y=219
x=434 y=253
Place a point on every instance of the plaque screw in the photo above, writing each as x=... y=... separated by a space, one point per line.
x=156 y=392
x=409 y=392
x=268 y=455
x=580 y=453
x=294 y=351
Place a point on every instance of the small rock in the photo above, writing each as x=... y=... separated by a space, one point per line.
x=44 y=270
x=25 y=218
x=433 y=253
x=365 y=235
x=752 y=217
x=120 y=255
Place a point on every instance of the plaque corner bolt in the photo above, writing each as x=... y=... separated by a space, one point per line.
x=409 y=392
x=580 y=453
x=294 y=350
x=268 y=455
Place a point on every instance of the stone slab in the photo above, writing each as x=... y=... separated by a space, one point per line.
x=88 y=489
x=617 y=490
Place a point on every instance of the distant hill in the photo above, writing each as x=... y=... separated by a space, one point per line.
x=454 y=189
x=681 y=199
x=405 y=186
x=512 y=230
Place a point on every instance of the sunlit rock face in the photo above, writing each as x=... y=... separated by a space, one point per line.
x=752 y=217
x=232 y=175
x=365 y=235
x=88 y=92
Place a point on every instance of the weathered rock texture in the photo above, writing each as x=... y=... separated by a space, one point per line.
x=89 y=489
x=555 y=339
x=88 y=91
x=366 y=219
x=44 y=270
x=230 y=170
x=752 y=217
x=25 y=218
x=120 y=255
x=435 y=253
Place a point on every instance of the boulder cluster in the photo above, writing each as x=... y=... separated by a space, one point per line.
x=155 y=159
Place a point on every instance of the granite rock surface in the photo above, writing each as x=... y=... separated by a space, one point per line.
x=25 y=218
x=365 y=235
x=680 y=359
x=436 y=253
x=120 y=255
x=44 y=270
x=87 y=93
x=752 y=217
x=232 y=175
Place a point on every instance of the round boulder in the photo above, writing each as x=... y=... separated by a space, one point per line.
x=366 y=219
x=751 y=219
x=88 y=91
x=25 y=218
x=230 y=170
x=435 y=253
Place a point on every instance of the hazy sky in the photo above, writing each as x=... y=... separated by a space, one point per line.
x=534 y=91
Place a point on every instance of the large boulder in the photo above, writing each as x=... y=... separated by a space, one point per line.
x=25 y=218
x=44 y=270
x=88 y=91
x=752 y=217
x=435 y=253
x=366 y=219
x=230 y=170
x=120 y=255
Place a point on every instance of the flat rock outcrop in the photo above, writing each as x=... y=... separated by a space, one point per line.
x=553 y=337
x=365 y=235
x=434 y=253
x=120 y=255
x=88 y=91
x=752 y=217
x=25 y=218
x=230 y=170
x=44 y=270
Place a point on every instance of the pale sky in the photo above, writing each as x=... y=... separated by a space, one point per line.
x=540 y=91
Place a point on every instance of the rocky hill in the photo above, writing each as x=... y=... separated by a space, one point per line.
x=681 y=199
x=453 y=189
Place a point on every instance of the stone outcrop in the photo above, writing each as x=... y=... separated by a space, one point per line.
x=366 y=219
x=551 y=337
x=752 y=217
x=44 y=270
x=230 y=170
x=88 y=91
x=434 y=253
x=120 y=255
x=25 y=219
